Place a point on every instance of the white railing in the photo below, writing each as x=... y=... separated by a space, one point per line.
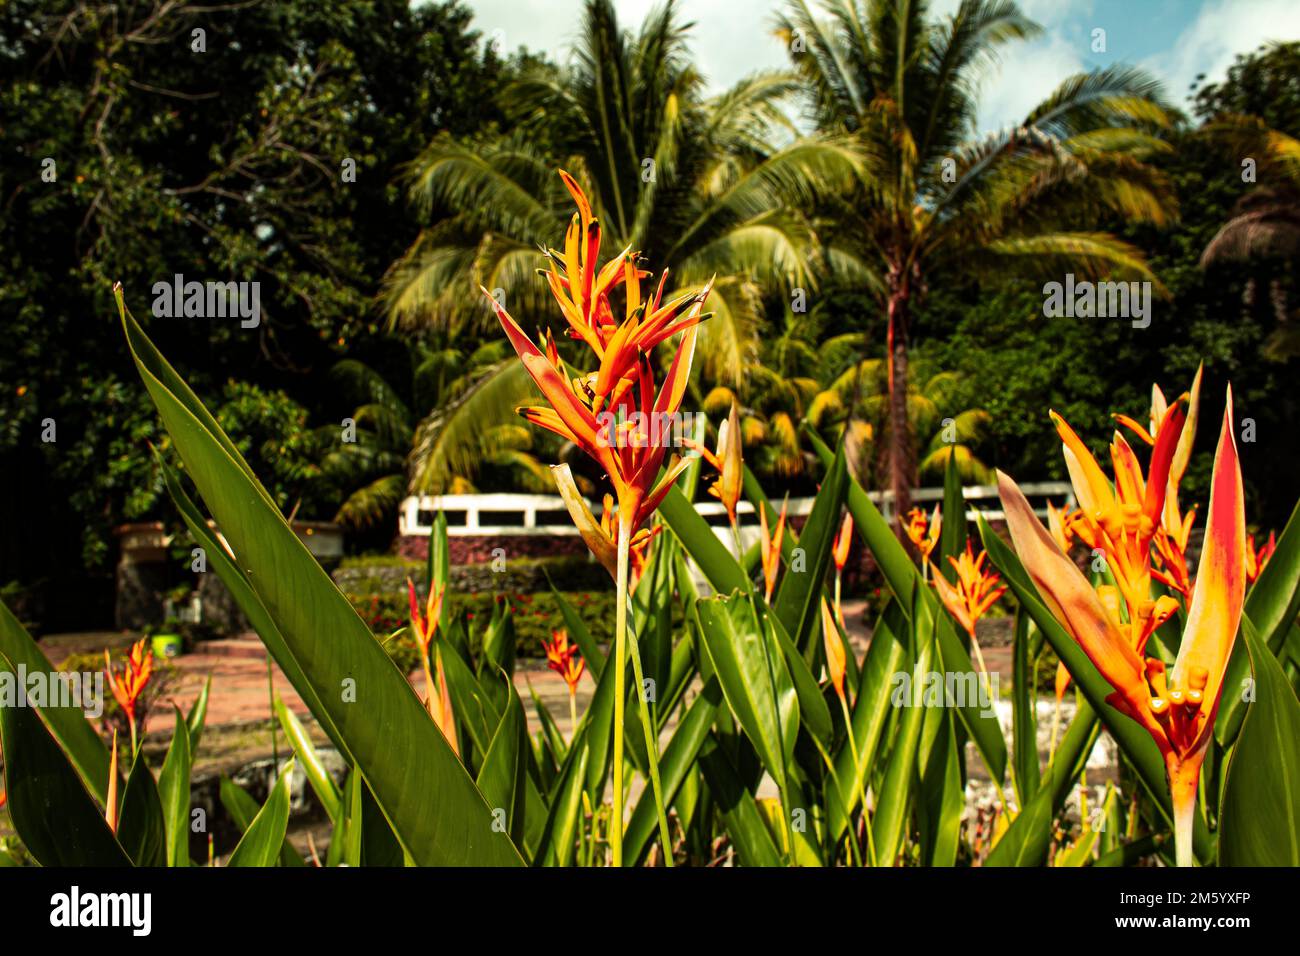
x=512 y=514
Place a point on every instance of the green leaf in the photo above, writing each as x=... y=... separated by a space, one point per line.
x=889 y=823
x=814 y=714
x=753 y=676
x=886 y=656
x=261 y=842
x=56 y=817
x=904 y=580
x=1024 y=715
x=952 y=533
x=740 y=814
x=243 y=808
x=502 y=776
x=174 y=791
x=677 y=760
x=140 y=829
x=1029 y=836
x=198 y=716
x=1260 y=820
x=591 y=652
x=699 y=541
x=322 y=784
x=423 y=788
x=69 y=726
x=798 y=600
x=241 y=589
x=559 y=840
x=941 y=798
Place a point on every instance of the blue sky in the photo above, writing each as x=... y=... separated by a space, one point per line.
x=1174 y=39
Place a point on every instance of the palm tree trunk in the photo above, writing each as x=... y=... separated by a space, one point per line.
x=902 y=460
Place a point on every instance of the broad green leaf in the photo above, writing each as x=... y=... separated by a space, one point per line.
x=904 y=579
x=241 y=589
x=423 y=788
x=798 y=599
x=1029 y=837
x=1260 y=821
x=563 y=822
x=501 y=777
x=140 y=829
x=941 y=798
x=889 y=823
x=56 y=817
x=740 y=813
x=814 y=715
x=753 y=676
x=67 y=725
x=261 y=842
x=174 y=791
x=699 y=541
x=952 y=531
x=886 y=656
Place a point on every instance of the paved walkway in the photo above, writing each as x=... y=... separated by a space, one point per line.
x=239 y=678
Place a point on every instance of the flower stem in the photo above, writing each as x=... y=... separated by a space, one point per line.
x=573 y=713
x=652 y=751
x=620 y=690
x=1183 y=780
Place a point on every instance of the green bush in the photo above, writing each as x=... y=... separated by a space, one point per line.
x=535 y=616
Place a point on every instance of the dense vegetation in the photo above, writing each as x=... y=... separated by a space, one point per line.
x=229 y=163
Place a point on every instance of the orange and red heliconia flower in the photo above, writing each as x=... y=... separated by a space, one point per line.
x=923 y=532
x=1257 y=558
x=1177 y=708
x=611 y=414
x=425 y=626
x=128 y=686
x=770 y=548
x=563 y=658
x=975 y=591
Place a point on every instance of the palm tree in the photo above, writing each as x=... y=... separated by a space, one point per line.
x=399 y=449
x=934 y=197
x=691 y=182
x=808 y=375
x=1265 y=223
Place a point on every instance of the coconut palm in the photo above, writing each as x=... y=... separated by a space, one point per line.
x=399 y=448
x=934 y=197
x=809 y=375
x=693 y=182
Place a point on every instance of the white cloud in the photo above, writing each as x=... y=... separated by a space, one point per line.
x=1220 y=31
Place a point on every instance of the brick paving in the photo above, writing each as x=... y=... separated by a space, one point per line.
x=239 y=679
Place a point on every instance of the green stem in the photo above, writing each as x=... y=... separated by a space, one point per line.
x=862 y=788
x=652 y=754
x=620 y=690
x=270 y=694
x=573 y=714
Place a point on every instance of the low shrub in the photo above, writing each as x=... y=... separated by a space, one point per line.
x=535 y=616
